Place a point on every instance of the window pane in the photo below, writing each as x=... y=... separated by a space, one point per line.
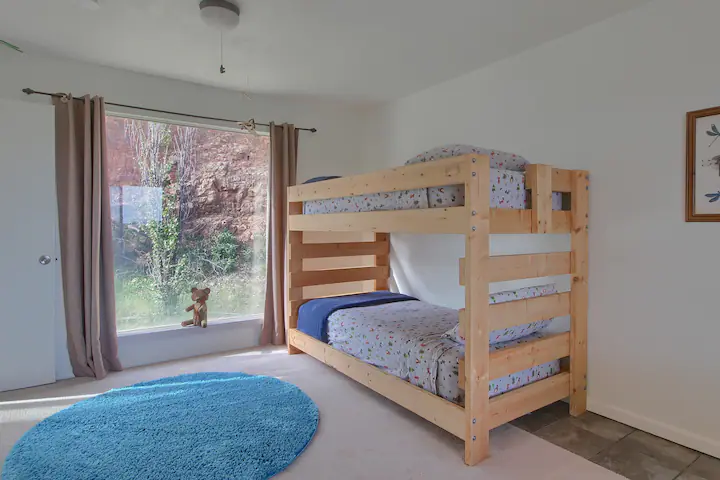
x=189 y=209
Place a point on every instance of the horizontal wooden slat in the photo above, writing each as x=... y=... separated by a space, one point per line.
x=433 y=408
x=429 y=220
x=509 y=221
x=331 y=290
x=509 y=406
x=300 y=295
x=510 y=314
x=527 y=355
x=517 y=267
x=324 y=250
x=338 y=237
x=561 y=180
x=448 y=171
x=340 y=275
x=518 y=312
x=329 y=263
x=521 y=357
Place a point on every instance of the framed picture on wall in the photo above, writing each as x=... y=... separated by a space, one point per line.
x=702 y=202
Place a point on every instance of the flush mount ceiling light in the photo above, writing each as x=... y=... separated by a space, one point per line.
x=221 y=14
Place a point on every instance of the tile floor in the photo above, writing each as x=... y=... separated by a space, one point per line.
x=631 y=453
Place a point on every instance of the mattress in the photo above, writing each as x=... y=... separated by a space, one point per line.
x=507 y=190
x=409 y=340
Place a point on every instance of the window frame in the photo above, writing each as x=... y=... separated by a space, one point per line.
x=177 y=120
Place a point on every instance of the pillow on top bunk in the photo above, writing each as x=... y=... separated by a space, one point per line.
x=512 y=333
x=320 y=179
x=498 y=159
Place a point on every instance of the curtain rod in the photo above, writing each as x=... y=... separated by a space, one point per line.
x=30 y=91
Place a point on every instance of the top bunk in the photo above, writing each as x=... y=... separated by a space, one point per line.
x=383 y=201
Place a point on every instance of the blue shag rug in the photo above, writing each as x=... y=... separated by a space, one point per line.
x=201 y=426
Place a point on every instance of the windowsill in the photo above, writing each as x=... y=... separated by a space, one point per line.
x=175 y=328
x=162 y=344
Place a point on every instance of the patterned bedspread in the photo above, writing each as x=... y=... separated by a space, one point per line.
x=507 y=187
x=407 y=340
x=507 y=190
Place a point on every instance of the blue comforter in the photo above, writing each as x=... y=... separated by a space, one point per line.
x=313 y=315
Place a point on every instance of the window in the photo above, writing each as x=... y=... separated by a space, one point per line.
x=189 y=210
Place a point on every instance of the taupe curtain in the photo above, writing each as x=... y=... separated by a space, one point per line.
x=283 y=173
x=85 y=235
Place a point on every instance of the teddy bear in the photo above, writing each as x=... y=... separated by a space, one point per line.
x=199 y=308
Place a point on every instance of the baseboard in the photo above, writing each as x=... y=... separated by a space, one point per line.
x=678 y=435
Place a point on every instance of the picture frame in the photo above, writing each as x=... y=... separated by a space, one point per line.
x=702 y=200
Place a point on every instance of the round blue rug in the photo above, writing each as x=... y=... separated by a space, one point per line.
x=201 y=426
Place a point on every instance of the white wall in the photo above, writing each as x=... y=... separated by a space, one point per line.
x=611 y=99
x=337 y=148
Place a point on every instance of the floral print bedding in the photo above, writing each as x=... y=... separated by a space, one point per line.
x=512 y=333
x=447 y=372
x=507 y=188
x=407 y=340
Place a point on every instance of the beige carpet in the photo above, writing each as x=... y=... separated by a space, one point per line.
x=361 y=435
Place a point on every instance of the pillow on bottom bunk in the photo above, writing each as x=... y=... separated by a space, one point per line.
x=512 y=333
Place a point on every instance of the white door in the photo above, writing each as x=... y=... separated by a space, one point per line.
x=28 y=226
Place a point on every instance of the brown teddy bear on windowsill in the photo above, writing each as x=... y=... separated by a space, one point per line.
x=199 y=308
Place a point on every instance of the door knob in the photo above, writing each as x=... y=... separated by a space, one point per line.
x=44 y=259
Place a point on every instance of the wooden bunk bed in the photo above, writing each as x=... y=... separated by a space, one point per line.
x=476 y=221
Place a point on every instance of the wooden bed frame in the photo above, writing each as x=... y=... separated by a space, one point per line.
x=477 y=221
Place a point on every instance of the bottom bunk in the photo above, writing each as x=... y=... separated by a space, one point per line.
x=443 y=413
x=412 y=353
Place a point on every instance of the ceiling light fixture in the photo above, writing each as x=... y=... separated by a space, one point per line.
x=222 y=15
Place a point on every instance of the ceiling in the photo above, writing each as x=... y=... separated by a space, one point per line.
x=359 y=50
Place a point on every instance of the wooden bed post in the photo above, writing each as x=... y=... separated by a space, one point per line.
x=382 y=260
x=477 y=358
x=579 y=196
x=294 y=265
x=538 y=179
